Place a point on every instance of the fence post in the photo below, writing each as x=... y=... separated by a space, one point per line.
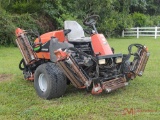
x=155 y=32
x=137 y=32
x=123 y=33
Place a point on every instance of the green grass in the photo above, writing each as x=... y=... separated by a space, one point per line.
x=18 y=99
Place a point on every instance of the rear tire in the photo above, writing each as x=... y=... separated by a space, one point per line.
x=49 y=81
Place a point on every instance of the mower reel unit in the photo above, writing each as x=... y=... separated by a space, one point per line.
x=67 y=56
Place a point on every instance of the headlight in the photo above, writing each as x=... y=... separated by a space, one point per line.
x=102 y=61
x=118 y=60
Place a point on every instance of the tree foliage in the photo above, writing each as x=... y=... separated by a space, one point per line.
x=115 y=15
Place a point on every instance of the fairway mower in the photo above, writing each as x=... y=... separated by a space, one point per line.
x=58 y=58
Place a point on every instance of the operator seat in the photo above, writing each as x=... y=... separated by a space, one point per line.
x=77 y=32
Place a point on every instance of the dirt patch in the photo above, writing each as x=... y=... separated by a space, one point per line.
x=4 y=77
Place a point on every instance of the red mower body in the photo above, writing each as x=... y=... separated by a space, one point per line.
x=100 y=45
x=46 y=38
x=55 y=59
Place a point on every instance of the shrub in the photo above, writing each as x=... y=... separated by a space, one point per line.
x=7 y=28
x=155 y=20
x=115 y=23
x=25 y=21
x=139 y=19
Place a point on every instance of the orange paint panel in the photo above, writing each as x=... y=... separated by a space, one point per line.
x=100 y=45
x=43 y=55
x=47 y=36
x=18 y=31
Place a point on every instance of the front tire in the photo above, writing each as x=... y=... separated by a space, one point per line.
x=49 y=81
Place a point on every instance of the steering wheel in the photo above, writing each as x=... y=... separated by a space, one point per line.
x=91 y=20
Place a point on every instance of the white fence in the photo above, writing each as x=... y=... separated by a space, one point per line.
x=142 y=31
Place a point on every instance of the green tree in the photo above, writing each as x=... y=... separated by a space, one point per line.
x=139 y=19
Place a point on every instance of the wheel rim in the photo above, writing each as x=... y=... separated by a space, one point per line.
x=42 y=82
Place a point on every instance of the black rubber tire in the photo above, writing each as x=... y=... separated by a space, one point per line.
x=55 y=79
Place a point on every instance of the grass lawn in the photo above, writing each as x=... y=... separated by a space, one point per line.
x=140 y=100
